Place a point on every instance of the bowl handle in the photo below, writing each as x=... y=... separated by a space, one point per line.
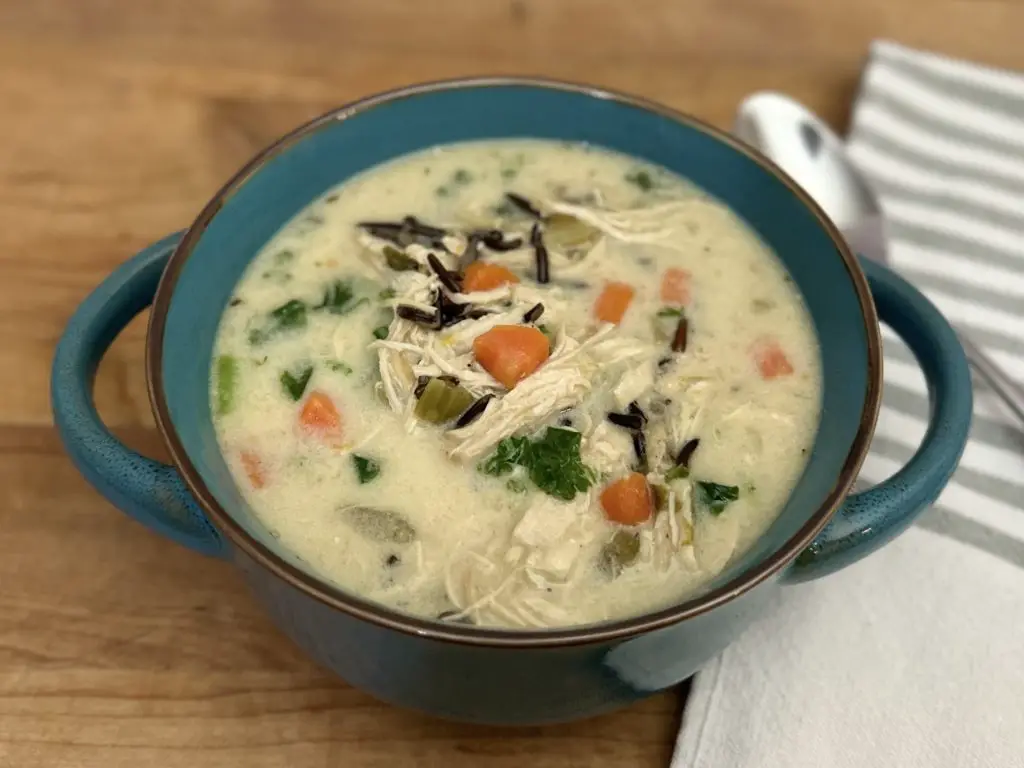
x=870 y=519
x=149 y=491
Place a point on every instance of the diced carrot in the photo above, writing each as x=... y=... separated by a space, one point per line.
x=320 y=415
x=613 y=302
x=510 y=353
x=253 y=466
x=770 y=359
x=675 y=287
x=628 y=500
x=481 y=276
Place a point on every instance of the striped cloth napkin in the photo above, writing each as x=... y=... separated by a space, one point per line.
x=913 y=656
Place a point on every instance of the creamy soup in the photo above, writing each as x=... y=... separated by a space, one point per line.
x=516 y=383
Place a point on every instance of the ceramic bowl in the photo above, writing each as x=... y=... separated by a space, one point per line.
x=462 y=672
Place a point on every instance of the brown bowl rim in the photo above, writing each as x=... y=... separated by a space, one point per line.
x=379 y=615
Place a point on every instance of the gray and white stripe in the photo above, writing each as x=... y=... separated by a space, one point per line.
x=943 y=143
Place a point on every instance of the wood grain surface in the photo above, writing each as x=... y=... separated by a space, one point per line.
x=120 y=118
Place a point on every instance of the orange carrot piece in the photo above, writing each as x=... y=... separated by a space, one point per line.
x=481 y=276
x=319 y=414
x=253 y=466
x=510 y=353
x=770 y=359
x=613 y=302
x=628 y=500
x=675 y=287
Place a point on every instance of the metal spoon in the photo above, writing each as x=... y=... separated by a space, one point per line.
x=808 y=150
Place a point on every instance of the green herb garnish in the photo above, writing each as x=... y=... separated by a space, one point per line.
x=367 y=469
x=289 y=315
x=677 y=473
x=279 y=276
x=547 y=331
x=339 y=367
x=641 y=179
x=552 y=462
x=380 y=332
x=715 y=496
x=555 y=465
x=509 y=454
x=294 y=383
x=516 y=485
x=227 y=381
x=387 y=293
x=670 y=312
x=339 y=299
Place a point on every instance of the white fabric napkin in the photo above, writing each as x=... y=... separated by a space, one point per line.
x=913 y=657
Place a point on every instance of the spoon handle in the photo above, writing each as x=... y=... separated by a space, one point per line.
x=1011 y=392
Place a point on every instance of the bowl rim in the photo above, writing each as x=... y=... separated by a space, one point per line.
x=359 y=608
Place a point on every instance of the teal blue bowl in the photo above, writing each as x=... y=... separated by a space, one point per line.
x=468 y=673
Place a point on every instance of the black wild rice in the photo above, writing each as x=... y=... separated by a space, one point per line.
x=541 y=253
x=449 y=280
x=681 y=334
x=416 y=315
x=640 y=449
x=686 y=453
x=523 y=204
x=417 y=227
x=533 y=313
x=474 y=412
x=636 y=410
x=495 y=240
x=629 y=421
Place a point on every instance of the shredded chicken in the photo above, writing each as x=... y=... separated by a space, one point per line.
x=562 y=382
x=657 y=224
x=525 y=575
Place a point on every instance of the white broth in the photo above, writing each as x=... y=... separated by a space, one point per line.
x=572 y=447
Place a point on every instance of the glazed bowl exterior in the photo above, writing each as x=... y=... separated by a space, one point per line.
x=463 y=672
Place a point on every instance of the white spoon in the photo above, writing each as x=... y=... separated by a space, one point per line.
x=808 y=150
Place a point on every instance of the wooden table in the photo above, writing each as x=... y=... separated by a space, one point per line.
x=119 y=120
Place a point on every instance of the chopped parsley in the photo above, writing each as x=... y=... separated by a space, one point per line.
x=509 y=454
x=380 y=332
x=670 y=312
x=294 y=382
x=339 y=367
x=387 y=293
x=552 y=462
x=290 y=315
x=367 y=469
x=716 y=497
x=340 y=299
x=641 y=179
x=504 y=209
